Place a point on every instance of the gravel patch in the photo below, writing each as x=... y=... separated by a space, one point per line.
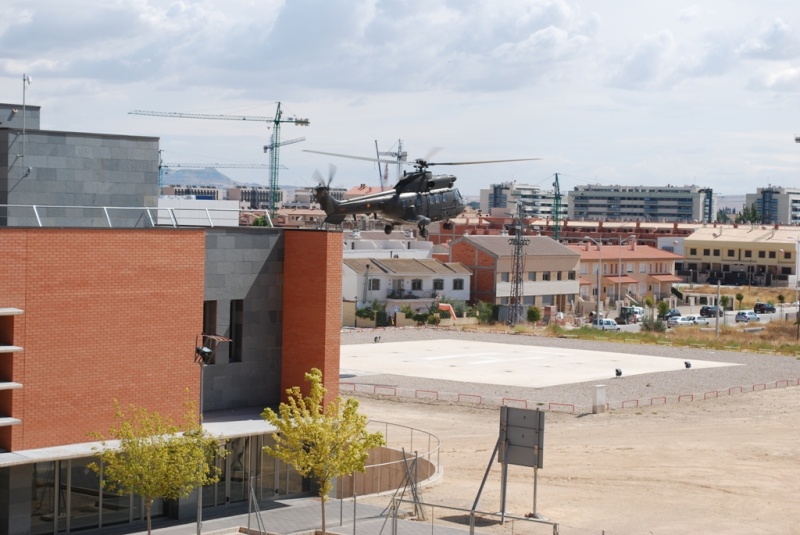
x=758 y=372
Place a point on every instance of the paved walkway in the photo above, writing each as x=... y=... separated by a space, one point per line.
x=292 y=516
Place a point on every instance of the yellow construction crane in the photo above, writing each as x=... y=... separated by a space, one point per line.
x=272 y=148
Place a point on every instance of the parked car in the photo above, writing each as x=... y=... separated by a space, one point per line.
x=605 y=324
x=764 y=308
x=678 y=321
x=697 y=320
x=691 y=319
x=746 y=316
x=711 y=311
x=673 y=312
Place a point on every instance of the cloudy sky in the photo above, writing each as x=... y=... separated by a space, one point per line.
x=624 y=92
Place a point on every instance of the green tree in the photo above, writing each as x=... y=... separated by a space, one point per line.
x=156 y=458
x=648 y=303
x=534 y=314
x=321 y=441
x=663 y=309
x=725 y=301
x=740 y=298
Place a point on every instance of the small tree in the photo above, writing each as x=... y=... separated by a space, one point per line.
x=663 y=309
x=155 y=458
x=534 y=314
x=740 y=298
x=321 y=442
x=648 y=303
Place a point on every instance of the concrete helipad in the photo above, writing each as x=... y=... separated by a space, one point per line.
x=501 y=364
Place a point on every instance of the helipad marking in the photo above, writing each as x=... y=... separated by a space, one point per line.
x=531 y=366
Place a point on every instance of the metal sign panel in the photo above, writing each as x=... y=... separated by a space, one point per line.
x=521 y=437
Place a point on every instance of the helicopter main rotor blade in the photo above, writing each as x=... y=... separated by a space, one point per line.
x=484 y=161
x=351 y=157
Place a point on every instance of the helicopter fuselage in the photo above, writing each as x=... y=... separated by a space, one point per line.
x=399 y=207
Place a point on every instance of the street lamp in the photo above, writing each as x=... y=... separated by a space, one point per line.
x=619 y=274
x=599 y=266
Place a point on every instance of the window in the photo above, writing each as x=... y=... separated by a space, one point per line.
x=532 y=276
x=374 y=284
x=558 y=275
x=545 y=275
x=504 y=276
x=438 y=284
x=748 y=254
x=772 y=254
x=716 y=252
x=210 y=323
x=237 y=321
x=416 y=284
x=693 y=252
x=787 y=255
x=571 y=275
x=458 y=284
x=706 y=252
x=763 y=254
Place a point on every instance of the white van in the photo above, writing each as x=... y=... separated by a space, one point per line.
x=606 y=324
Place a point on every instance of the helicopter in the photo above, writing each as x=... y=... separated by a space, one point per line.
x=419 y=197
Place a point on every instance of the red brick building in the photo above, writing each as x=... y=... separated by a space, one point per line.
x=90 y=315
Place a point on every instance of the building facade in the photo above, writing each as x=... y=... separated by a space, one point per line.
x=79 y=172
x=88 y=316
x=753 y=255
x=647 y=203
x=776 y=205
x=550 y=270
x=507 y=197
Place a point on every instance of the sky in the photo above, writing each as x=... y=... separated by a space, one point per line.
x=627 y=92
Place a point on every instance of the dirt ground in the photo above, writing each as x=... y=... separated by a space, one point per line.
x=729 y=465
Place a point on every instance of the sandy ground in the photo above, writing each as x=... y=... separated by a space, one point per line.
x=729 y=465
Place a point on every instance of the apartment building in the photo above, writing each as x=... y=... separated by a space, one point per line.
x=507 y=197
x=646 y=203
x=776 y=205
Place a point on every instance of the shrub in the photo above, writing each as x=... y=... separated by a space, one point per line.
x=534 y=314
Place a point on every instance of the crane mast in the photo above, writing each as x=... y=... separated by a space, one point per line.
x=272 y=148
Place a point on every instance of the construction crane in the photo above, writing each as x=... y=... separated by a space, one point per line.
x=556 y=210
x=400 y=155
x=275 y=142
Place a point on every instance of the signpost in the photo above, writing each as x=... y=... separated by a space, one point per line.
x=520 y=442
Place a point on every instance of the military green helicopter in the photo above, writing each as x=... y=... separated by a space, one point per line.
x=419 y=197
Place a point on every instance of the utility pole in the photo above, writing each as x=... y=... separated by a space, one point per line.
x=519 y=243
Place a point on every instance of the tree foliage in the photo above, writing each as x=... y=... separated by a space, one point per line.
x=534 y=314
x=156 y=458
x=322 y=442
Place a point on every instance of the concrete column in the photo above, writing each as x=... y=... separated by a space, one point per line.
x=599 y=399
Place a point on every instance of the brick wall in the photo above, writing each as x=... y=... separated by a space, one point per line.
x=312 y=311
x=107 y=314
x=483 y=267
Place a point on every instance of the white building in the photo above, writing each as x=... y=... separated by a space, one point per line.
x=502 y=199
x=645 y=203
x=776 y=204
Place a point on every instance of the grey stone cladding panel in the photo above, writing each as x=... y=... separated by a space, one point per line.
x=245 y=264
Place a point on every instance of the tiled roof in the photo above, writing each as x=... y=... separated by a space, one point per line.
x=499 y=246
x=406 y=266
x=610 y=252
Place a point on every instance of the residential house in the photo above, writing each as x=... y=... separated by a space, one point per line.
x=626 y=272
x=549 y=270
x=399 y=282
x=744 y=254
